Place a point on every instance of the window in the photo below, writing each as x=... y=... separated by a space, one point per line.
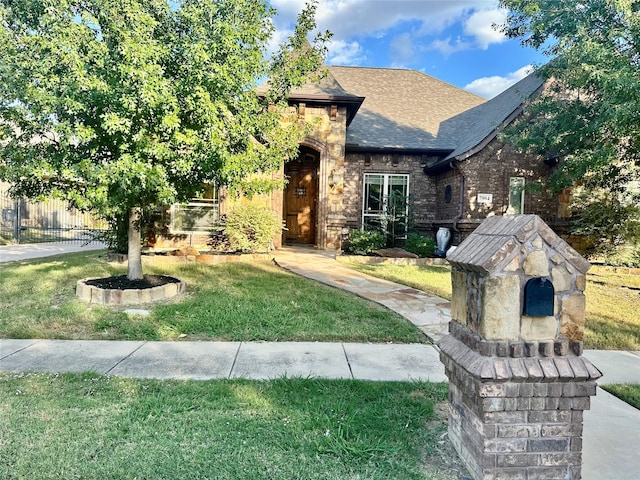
x=516 y=196
x=199 y=215
x=385 y=206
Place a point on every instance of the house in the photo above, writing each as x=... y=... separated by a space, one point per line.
x=380 y=132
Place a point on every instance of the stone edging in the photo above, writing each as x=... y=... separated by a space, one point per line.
x=114 y=297
x=209 y=259
x=370 y=260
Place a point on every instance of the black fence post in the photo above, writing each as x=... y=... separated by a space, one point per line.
x=16 y=221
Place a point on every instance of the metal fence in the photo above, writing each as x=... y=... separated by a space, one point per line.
x=23 y=221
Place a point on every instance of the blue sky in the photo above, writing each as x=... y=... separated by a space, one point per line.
x=452 y=40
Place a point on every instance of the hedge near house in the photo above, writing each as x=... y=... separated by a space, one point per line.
x=250 y=228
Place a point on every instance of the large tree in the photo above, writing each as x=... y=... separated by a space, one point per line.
x=121 y=106
x=588 y=116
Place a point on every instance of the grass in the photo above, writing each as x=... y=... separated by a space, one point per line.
x=626 y=392
x=233 y=302
x=94 y=427
x=613 y=300
x=432 y=279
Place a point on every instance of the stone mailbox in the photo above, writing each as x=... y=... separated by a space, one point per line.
x=518 y=383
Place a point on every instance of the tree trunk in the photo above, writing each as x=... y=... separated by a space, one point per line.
x=134 y=254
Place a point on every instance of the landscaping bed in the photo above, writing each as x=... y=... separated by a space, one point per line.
x=375 y=260
x=184 y=257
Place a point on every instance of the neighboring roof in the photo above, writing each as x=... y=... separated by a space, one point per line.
x=481 y=124
x=402 y=109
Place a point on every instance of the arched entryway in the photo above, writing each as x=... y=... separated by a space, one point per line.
x=301 y=198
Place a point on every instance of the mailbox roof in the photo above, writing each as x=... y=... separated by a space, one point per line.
x=498 y=239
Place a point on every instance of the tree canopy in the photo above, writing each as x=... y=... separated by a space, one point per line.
x=124 y=105
x=588 y=115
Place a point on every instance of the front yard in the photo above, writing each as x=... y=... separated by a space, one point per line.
x=94 y=427
x=613 y=300
x=232 y=302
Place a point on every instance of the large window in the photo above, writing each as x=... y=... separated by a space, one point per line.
x=516 y=196
x=385 y=203
x=199 y=215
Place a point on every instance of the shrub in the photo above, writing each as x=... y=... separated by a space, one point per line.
x=250 y=228
x=421 y=246
x=218 y=238
x=365 y=242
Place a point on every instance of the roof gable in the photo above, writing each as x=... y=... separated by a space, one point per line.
x=402 y=109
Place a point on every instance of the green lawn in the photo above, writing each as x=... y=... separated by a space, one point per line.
x=626 y=392
x=613 y=300
x=234 y=301
x=95 y=427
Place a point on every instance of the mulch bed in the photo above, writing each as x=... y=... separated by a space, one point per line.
x=123 y=283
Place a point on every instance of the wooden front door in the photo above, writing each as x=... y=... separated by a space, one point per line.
x=300 y=199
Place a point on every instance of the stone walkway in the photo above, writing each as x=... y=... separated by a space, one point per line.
x=429 y=313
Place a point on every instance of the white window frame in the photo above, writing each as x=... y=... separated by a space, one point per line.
x=516 y=182
x=385 y=195
x=196 y=204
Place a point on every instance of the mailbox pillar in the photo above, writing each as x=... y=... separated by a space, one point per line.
x=518 y=383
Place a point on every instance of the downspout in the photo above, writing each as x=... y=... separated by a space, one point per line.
x=454 y=166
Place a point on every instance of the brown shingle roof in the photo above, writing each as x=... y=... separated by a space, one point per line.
x=403 y=109
x=483 y=122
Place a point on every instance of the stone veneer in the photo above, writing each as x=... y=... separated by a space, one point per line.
x=116 y=297
x=491 y=268
x=518 y=384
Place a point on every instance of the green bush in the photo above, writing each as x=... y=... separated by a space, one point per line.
x=365 y=242
x=421 y=246
x=250 y=228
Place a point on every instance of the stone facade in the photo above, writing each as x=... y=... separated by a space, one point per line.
x=488 y=297
x=327 y=138
x=518 y=383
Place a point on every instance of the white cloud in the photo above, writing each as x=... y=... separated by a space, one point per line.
x=480 y=26
x=489 y=87
x=345 y=53
x=402 y=50
x=346 y=18
x=349 y=19
x=446 y=46
x=402 y=32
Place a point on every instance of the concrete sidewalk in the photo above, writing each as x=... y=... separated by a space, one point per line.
x=215 y=360
x=611 y=428
x=26 y=251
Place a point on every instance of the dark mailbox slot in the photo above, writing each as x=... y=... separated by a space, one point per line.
x=538 y=297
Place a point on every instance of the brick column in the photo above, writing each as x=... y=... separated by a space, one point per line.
x=516 y=408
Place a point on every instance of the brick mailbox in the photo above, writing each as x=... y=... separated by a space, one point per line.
x=518 y=383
